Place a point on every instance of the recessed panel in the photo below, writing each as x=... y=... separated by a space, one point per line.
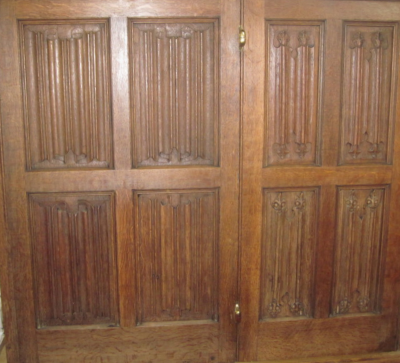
x=288 y=248
x=174 y=95
x=177 y=242
x=360 y=231
x=368 y=93
x=74 y=258
x=65 y=66
x=293 y=92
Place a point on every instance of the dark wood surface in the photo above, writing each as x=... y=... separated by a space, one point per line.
x=114 y=114
x=314 y=73
x=152 y=176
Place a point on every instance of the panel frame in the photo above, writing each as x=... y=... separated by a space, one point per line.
x=315 y=231
x=114 y=289
x=341 y=161
x=216 y=272
x=217 y=92
x=382 y=248
x=317 y=159
x=108 y=87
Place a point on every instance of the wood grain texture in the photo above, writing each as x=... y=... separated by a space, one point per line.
x=174 y=91
x=65 y=66
x=332 y=336
x=293 y=92
x=200 y=340
x=141 y=344
x=390 y=357
x=361 y=235
x=288 y=253
x=74 y=259
x=177 y=241
x=293 y=337
x=368 y=91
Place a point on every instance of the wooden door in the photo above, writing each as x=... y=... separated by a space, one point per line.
x=320 y=180
x=120 y=130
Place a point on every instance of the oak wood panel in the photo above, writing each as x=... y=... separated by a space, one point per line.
x=174 y=91
x=222 y=338
x=368 y=92
x=66 y=93
x=391 y=357
x=117 y=179
x=279 y=338
x=285 y=339
x=74 y=258
x=293 y=92
x=142 y=344
x=288 y=253
x=177 y=253
x=360 y=249
x=327 y=175
x=10 y=337
x=19 y=267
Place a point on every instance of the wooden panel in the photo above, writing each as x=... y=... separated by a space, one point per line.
x=177 y=254
x=389 y=357
x=293 y=92
x=174 y=91
x=74 y=258
x=361 y=232
x=330 y=336
x=65 y=67
x=140 y=344
x=287 y=262
x=368 y=93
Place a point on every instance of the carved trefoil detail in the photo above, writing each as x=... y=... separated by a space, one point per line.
x=360 y=241
x=367 y=105
x=177 y=243
x=294 y=58
x=174 y=92
x=74 y=259
x=288 y=245
x=65 y=66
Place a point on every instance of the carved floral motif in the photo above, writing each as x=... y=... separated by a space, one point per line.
x=367 y=93
x=294 y=56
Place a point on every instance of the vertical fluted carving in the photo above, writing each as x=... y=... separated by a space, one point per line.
x=358 y=262
x=287 y=262
x=292 y=91
x=367 y=111
x=175 y=93
x=177 y=254
x=74 y=259
x=67 y=96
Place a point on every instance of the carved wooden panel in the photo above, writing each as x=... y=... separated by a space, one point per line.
x=294 y=61
x=368 y=93
x=174 y=66
x=360 y=240
x=177 y=236
x=287 y=261
x=74 y=256
x=66 y=86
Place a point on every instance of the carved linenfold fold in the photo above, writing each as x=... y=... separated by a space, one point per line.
x=177 y=254
x=66 y=84
x=360 y=240
x=287 y=262
x=174 y=83
x=367 y=107
x=73 y=259
x=175 y=158
x=294 y=58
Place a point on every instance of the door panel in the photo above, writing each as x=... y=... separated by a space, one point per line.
x=121 y=151
x=319 y=221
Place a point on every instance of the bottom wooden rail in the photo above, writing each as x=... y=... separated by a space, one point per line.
x=390 y=357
